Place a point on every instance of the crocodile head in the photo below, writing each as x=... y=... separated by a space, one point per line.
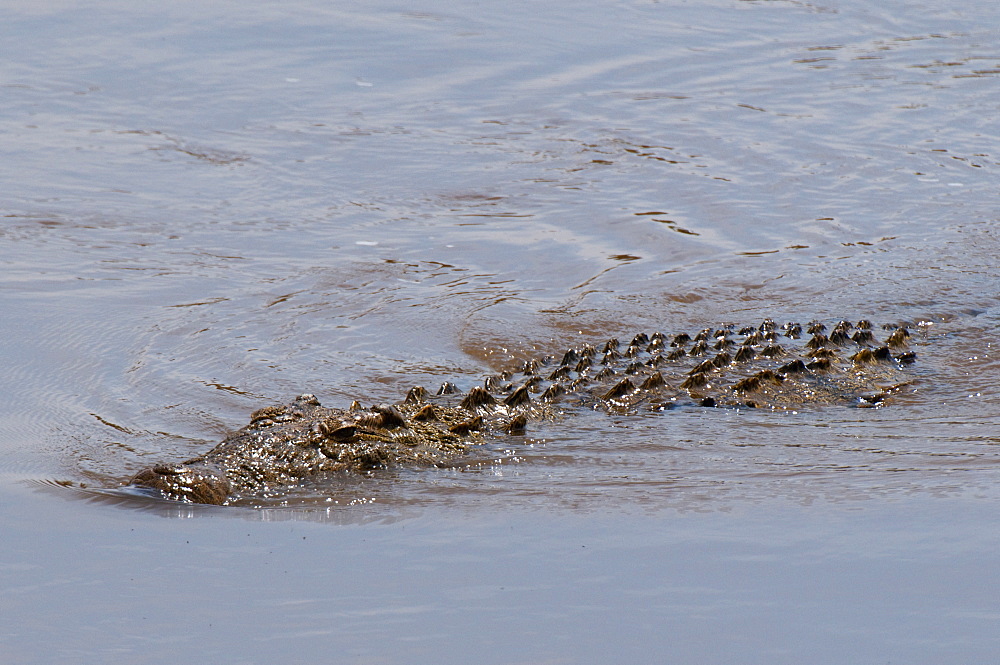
x=197 y=483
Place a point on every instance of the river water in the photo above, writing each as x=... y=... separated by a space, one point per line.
x=212 y=207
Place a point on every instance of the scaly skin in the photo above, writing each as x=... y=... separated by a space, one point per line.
x=762 y=367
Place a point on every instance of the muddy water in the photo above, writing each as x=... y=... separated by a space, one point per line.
x=212 y=207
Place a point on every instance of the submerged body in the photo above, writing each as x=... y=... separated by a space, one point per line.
x=762 y=366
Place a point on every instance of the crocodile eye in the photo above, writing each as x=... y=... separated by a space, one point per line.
x=343 y=433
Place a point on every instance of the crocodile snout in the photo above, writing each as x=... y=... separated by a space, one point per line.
x=196 y=483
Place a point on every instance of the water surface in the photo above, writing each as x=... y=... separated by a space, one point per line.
x=212 y=208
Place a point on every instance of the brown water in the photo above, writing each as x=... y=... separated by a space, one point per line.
x=212 y=207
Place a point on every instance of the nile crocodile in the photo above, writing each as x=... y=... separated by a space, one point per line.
x=763 y=366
